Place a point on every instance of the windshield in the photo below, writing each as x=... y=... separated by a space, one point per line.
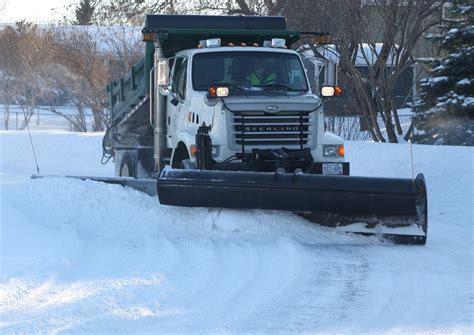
x=248 y=71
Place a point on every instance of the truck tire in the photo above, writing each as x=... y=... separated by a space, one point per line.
x=179 y=156
x=128 y=166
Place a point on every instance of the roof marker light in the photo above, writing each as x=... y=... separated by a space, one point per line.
x=278 y=43
x=210 y=43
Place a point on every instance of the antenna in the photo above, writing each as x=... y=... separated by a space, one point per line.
x=31 y=141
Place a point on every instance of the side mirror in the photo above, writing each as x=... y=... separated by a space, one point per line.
x=162 y=73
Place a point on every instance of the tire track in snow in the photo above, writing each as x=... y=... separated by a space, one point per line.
x=327 y=282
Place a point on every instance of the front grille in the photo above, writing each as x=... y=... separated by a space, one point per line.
x=256 y=128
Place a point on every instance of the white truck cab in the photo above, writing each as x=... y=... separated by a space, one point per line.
x=279 y=113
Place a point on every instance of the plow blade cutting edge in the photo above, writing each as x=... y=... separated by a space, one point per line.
x=394 y=208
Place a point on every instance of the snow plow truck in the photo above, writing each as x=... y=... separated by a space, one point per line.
x=220 y=113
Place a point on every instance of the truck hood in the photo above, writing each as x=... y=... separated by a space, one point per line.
x=301 y=103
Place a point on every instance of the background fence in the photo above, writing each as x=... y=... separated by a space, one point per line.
x=43 y=118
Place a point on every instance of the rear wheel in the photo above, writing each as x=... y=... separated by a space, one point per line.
x=128 y=166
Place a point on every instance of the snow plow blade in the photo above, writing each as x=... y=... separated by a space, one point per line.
x=395 y=209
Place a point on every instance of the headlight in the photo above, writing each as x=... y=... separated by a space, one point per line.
x=327 y=91
x=222 y=92
x=332 y=150
x=329 y=150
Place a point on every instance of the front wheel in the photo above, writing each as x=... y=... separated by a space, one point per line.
x=128 y=166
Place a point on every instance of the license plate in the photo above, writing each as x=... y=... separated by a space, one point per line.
x=332 y=168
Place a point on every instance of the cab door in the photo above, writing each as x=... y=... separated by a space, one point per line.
x=175 y=103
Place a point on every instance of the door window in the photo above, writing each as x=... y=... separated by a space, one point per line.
x=179 y=77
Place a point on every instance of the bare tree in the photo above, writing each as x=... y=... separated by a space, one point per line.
x=383 y=36
x=133 y=12
x=26 y=54
x=242 y=7
x=77 y=52
x=66 y=64
x=376 y=41
x=7 y=69
x=89 y=58
x=123 y=12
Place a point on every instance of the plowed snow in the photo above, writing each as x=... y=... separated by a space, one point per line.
x=86 y=257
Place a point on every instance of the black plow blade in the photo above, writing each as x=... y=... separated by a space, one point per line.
x=395 y=209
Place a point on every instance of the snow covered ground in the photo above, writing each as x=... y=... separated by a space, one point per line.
x=44 y=119
x=86 y=257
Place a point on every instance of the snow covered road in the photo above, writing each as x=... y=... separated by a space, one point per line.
x=85 y=257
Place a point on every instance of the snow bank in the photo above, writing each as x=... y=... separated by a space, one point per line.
x=57 y=153
x=85 y=257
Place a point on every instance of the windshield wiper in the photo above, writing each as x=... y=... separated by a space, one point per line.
x=281 y=87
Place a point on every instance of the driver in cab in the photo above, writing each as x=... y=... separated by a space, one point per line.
x=260 y=76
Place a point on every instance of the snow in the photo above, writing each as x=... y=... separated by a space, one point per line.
x=463 y=82
x=86 y=257
x=435 y=80
x=468 y=101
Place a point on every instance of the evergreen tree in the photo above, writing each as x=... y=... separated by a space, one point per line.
x=84 y=13
x=445 y=111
